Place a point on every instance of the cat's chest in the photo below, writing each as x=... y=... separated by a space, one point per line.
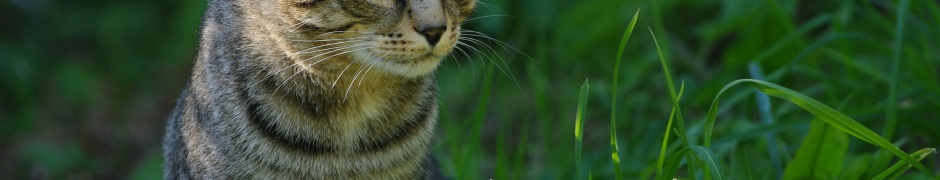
x=367 y=109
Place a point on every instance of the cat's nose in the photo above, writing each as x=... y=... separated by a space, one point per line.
x=432 y=34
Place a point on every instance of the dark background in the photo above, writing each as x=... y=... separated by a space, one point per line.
x=85 y=86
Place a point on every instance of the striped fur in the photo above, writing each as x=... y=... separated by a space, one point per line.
x=255 y=108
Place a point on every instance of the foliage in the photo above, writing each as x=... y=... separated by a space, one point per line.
x=85 y=87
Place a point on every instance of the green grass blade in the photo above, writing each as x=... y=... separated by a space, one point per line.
x=579 y=127
x=706 y=170
x=899 y=168
x=590 y=174
x=615 y=149
x=681 y=136
x=665 y=144
x=710 y=121
x=670 y=171
x=710 y=162
x=821 y=155
x=747 y=163
x=891 y=116
x=827 y=114
x=808 y=26
x=699 y=154
x=473 y=145
x=672 y=87
x=763 y=106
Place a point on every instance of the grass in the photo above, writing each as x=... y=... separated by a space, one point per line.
x=806 y=166
x=579 y=127
x=614 y=148
x=705 y=149
x=79 y=88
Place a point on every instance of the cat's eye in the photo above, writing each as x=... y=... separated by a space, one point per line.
x=365 y=9
x=306 y=3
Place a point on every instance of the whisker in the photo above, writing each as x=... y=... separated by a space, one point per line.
x=331 y=32
x=343 y=53
x=467 y=56
x=340 y=75
x=346 y=95
x=511 y=75
x=303 y=52
x=504 y=44
x=484 y=53
x=308 y=66
x=269 y=75
x=363 y=76
x=489 y=6
x=472 y=20
x=307 y=51
x=367 y=72
x=333 y=49
x=344 y=69
x=298 y=25
x=454 y=57
x=328 y=40
x=488 y=47
x=477 y=51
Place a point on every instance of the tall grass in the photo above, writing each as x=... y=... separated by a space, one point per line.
x=823 y=57
x=579 y=127
x=703 y=156
x=77 y=101
x=707 y=159
x=614 y=148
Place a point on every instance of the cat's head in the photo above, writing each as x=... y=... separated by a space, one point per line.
x=405 y=37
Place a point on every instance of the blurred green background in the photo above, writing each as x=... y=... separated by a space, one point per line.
x=85 y=86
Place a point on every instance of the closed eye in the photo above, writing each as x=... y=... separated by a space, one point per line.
x=364 y=10
x=306 y=3
x=326 y=29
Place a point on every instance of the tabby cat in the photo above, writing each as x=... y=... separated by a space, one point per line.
x=313 y=89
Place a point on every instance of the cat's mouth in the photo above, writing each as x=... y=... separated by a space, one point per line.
x=405 y=63
x=402 y=54
x=423 y=58
x=407 y=54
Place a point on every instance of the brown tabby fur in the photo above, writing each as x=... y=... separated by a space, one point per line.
x=313 y=89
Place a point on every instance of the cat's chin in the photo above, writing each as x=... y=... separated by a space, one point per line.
x=413 y=67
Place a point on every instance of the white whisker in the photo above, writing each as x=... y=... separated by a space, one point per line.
x=323 y=59
x=489 y=6
x=307 y=52
x=346 y=95
x=329 y=40
x=501 y=43
x=507 y=72
x=485 y=54
x=452 y=56
x=298 y=25
x=340 y=75
x=353 y=81
x=467 y=56
x=488 y=47
x=475 y=50
x=333 y=49
x=471 y=20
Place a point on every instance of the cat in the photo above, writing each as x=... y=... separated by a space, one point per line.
x=313 y=89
